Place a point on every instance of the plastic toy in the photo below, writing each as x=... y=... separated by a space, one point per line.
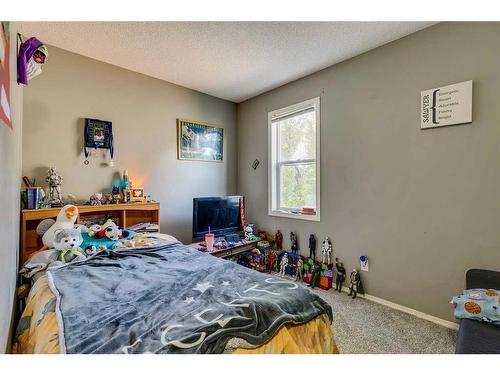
x=326 y=250
x=312 y=247
x=54 y=180
x=294 y=244
x=283 y=264
x=314 y=271
x=248 y=233
x=278 y=238
x=355 y=281
x=339 y=280
x=271 y=260
x=299 y=266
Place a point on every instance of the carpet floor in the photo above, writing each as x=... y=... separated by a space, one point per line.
x=362 y=327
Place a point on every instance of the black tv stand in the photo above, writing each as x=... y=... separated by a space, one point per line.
x=228 y=251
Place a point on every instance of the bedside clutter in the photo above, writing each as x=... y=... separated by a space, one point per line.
x=476 y=337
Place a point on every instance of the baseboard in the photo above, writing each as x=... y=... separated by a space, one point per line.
x=395 y=306
x=418 y=314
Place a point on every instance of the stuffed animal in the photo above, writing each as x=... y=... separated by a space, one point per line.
x=67 y=242
x=94 y=229
x=96 y=199
x=111 y=231
x=93 y=250
x=65 y=220
x=141 y=240
x=107 y=199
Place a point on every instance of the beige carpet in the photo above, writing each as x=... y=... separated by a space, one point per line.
x=362 y=326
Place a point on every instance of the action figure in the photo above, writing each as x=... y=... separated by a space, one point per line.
x=249 y=233
x=355 y=280
x=271 y=261
x=294 y=244
x=312 y=247
x=299 y=266
x=278 y=238
x=283 y=264
x=326 y=250
x=314 y=275
x=54 y=180
x=340 y=276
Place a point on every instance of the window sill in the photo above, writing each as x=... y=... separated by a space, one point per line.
x=292 y=215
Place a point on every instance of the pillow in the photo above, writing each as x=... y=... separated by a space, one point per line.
x=478 y=304
x=38 y=262
x=109 y=244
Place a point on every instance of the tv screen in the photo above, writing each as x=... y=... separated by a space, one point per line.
x=220 y=215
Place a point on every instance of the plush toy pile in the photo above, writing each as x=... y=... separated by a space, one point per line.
x=65 y=236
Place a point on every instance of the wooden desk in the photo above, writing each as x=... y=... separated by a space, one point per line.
x=126 y=214
x=224 y=253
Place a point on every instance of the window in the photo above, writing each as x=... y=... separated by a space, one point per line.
x=294 y=164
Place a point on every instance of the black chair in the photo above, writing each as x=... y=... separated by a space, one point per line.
x=475 y=337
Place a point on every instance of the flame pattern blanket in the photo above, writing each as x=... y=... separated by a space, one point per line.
x=171 y=299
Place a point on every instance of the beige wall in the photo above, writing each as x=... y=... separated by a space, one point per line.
x=143 y=111
x=10 y=177
x=423 y=205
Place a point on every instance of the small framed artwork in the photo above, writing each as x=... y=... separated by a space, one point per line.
x=137 y=195
x=199 y=141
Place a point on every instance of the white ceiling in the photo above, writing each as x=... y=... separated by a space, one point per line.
x=230 y=60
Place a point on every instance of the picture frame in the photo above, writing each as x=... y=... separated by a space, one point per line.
x=137 y=195
x=199 y=141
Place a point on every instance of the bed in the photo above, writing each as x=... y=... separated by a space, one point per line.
x=169 y=298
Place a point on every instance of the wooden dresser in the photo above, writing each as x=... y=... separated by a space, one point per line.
x=126 y=214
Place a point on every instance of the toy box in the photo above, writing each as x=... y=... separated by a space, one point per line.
x=328 y=273
x=325 y=282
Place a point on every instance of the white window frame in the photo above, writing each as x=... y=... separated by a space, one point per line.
x=275 y=163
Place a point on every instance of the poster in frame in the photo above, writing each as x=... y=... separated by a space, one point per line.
x=5 y=113
x=199 y=141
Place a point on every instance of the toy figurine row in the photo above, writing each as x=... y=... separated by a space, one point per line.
x=326 y=246
x=122 y=192
x=265 y=258
x=322 y=274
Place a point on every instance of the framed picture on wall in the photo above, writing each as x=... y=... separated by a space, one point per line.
x=199 y=141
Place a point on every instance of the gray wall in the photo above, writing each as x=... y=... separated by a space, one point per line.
x=10 y=177
x=423 y=205
x=143 y=111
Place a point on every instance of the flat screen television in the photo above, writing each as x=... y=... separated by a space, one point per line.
x=220 y=215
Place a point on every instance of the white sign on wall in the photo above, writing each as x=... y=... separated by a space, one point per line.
x=447 y=105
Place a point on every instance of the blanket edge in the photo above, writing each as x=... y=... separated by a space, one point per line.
x=59 y=319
